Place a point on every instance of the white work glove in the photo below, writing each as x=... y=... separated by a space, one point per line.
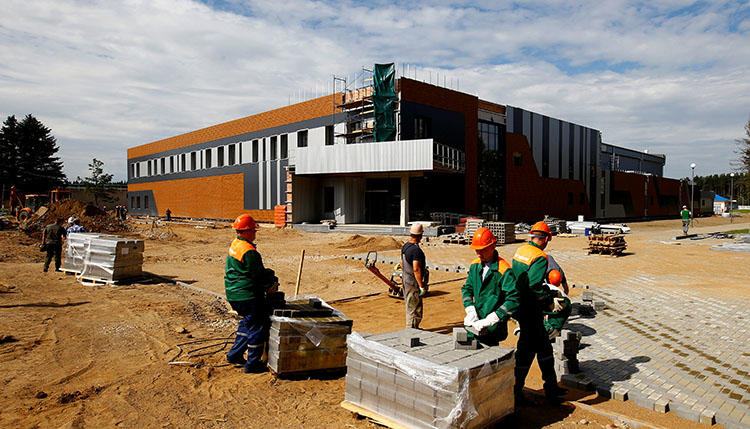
x=471 y=315
x=557 y=304
x=553 y=333
x=491 y=320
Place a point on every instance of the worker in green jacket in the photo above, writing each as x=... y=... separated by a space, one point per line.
x=530 y=267
x=489 y=295
x=246 y=283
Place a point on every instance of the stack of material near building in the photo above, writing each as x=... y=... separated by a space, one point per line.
x=505 y=232
x=103 y=257
x=425 y=380
x=307 y=336
x=472 y=224
x=565 y=350
x=607 y=244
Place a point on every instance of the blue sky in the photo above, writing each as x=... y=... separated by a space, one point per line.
x=668 y=76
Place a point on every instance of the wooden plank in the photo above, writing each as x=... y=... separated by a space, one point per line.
x=372 y=415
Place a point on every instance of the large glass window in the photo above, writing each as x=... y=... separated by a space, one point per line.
x=422 y=127
x=284 y=147
x=489 y=133
x=231 y=154
x=208 y=158
x=220 y=156
x=273 y=148
x=302 y=138
x=182 y=162
x=193 y=160
x=145 y=201
x=329 y=135
x=163 y=165
x=255 y=150
x=171 y=164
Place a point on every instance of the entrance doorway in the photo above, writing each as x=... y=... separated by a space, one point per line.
x=383 y=201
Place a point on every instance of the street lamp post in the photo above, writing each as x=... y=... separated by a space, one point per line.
x=731 y=195
x=692 y=188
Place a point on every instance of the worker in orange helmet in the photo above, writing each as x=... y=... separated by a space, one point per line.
x=530 y=268
x=246 y=283
x=554 y=320
x=489 y=295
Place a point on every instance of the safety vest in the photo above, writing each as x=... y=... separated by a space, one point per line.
x=239 y=247
x=527 y=254
x=502 y=265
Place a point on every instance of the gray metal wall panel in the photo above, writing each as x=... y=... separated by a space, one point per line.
x=565 y=149
x=576 y=152
x=402 y=155
x=554 y=148
x=536 y=135
x=251 y=186
x=274 y=184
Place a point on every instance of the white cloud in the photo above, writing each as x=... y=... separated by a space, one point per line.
x=110 y=75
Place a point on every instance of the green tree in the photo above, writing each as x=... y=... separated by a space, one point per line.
x=27 y=156
x=98 y=183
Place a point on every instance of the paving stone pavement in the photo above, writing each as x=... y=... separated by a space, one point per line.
x=667 y=351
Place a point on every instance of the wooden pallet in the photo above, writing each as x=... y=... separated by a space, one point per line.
x=372 y=415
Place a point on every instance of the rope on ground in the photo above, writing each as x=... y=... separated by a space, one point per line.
x=220 y=343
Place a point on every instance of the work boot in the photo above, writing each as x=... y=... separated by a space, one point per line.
x=255 y=367
x=556 y=391
x=237 y=361
x=552 y=400
x=522 y=401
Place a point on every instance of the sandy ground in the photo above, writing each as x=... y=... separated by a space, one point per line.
x=75 y=356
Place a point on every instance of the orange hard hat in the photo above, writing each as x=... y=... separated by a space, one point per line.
x=244 y=222
x=555 y=277
x=540 y=229
x=482 y=239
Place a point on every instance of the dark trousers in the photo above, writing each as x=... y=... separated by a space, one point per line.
x=534 y=341
x=252 y=331
x=53 y=249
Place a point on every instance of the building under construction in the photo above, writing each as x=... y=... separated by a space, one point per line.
x=393 y=149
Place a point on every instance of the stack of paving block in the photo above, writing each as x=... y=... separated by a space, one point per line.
x=565 y=350
x=606 y=244
x=588 y=302
x=472 y=224
x=505 y=232
x=103 y=257
x=306 y=336
x=423 y=379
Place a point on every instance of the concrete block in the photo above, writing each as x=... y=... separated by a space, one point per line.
x=620 y=394
x=460 y=335
x=587 y=295
x=599 y=305
x=661 y=405
x=469 y=345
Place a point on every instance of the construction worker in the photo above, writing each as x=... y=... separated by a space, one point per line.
x=246 y=283
x=685 y=214
x=489 y=295
x=52 y=239
x=530 y=268
x=415 y=276
x=75 y=225
x=169 y=215
x=554 y=320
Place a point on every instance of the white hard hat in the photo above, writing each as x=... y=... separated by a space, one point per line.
x=71 y=219
x=416 y=229
x=684 y=207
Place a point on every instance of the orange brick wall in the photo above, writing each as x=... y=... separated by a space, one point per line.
x=529 y=197
x=214 y=197
x=662 y=189
x=310 y=109
x=430 y=95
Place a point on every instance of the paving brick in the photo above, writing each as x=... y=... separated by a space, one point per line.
x=661 y=405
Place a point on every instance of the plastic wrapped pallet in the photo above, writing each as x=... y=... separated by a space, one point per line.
x=103 y=257
x=307 y=335
x=419 y=379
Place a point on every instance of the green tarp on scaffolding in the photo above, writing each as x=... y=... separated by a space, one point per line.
x=384 y=101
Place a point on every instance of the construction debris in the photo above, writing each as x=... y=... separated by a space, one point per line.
x=607 y=244
x=91 y=217
x=427 y=383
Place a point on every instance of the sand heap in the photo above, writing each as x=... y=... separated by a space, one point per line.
x=357 y=243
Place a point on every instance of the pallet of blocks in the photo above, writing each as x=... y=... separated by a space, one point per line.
x=307 y=335
x=505 y=232
x=472 y=224
x=423 y=379
x=607 y=244
x=103 y=258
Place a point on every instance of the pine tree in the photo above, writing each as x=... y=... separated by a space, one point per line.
x=28 y=156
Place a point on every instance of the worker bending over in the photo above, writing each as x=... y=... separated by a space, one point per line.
x=246 y=283
x=530 y=268
x=489 y=294
x=555 y=320
x=415 y=276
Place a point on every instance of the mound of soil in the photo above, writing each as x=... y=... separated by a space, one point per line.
x=357 y=243
x=92 y=218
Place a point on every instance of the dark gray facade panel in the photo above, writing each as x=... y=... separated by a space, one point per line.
x=250 y=181
x=274 y=183
x=560 y=150
x=448 y=127
x=143 y=211
x=545 y=146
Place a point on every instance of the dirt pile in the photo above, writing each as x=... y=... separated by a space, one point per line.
x=357 y=243
x=92 y=218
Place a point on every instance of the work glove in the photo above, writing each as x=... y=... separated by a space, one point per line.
x=517 y=331
x=553 y=333
x=422 y=291
x=471 y=315
x=491 y=320
x=557 y=304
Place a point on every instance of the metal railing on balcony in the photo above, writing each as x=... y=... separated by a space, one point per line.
x=448 y=158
